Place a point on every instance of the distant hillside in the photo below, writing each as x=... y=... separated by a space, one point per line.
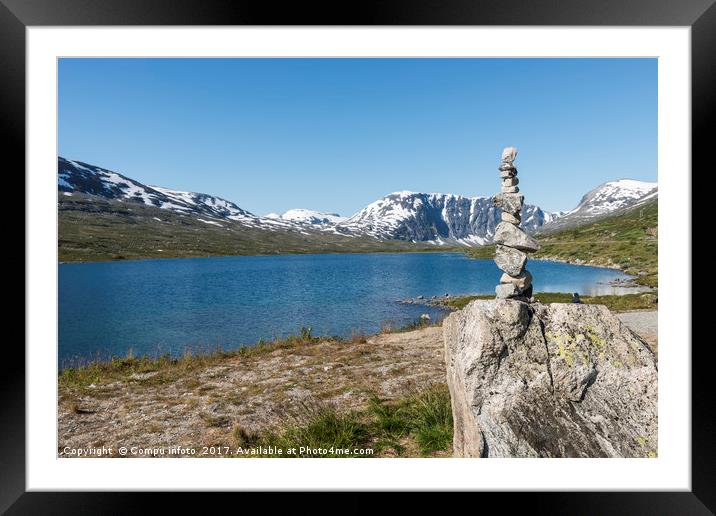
x=609 y=198
x=627 y=240
x=98 y=229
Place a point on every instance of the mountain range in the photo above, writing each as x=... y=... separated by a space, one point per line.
x=429 y=218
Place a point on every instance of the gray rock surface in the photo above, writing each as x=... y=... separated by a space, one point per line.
x=510 y=235
x=510 y=189
x=511 y=203
x=506 y=290
x=512 y=219
x=423 y=217
x=510 y=181
x=510 y=260
x=558 y=380
x=521 y=280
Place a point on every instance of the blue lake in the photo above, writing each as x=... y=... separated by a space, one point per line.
x=174 y=305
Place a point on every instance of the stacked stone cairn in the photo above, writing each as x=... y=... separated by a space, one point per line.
x=511 y=243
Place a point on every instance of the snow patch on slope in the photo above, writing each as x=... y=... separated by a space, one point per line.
x=305 y=216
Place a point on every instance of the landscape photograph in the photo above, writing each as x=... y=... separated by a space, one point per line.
x=357 y=258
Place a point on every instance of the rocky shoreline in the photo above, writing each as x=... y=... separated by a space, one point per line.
x=432 y=301
x=444 y=301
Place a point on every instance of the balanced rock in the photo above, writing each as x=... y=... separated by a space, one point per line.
x=512 y=219
x=521 y=280
x=510 y=181
x=509 y=260
x=507 y=171
x=510 y=189
x=509 y=154
x=512 y=236
x=558 y=380
x=506 y=291
x=509 y=202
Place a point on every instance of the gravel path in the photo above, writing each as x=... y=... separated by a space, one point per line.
x=645 y=323
x=642 y=321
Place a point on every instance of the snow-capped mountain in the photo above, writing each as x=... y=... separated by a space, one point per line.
x=308 y=217
x=606 y=199
x=76 y=176
x=420 y=217
x=442 y=218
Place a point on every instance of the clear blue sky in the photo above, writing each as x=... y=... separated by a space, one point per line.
x=336 y=134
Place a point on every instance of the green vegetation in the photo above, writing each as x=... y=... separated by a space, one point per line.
x=421 y=421
x=627 y=241
x=96 y=229
x=166 y=368
x=644 y=301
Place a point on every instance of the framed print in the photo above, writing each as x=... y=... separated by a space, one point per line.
x=414 y=249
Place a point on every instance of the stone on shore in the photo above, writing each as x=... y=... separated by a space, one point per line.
x=558 y=380
x=510 y=260
x=512 y=236
x=509 y=202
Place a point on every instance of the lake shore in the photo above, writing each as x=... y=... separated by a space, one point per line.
x=616 y=303
x=242 y=395
x=220 y=401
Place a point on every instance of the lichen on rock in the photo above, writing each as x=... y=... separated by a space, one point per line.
x=558 y=380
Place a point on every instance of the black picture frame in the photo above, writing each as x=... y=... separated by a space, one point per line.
x=17 y=15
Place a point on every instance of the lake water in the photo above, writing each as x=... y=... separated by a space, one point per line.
x=174 y=305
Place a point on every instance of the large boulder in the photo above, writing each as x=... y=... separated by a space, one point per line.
x=558 y=380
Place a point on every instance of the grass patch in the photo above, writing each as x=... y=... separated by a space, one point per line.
x=626 y=302
x=421 y=421
x=430 y=415
x=322 y=429
x=167 y=368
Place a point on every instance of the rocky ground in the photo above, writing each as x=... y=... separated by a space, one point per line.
x=257 y=392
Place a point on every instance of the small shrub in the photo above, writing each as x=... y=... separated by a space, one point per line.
x=243 y=438
x=212 y=420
